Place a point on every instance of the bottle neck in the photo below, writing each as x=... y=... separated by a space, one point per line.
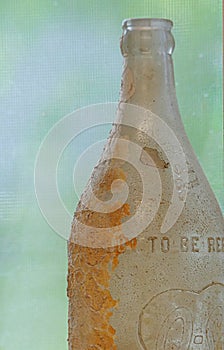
x=148 y=78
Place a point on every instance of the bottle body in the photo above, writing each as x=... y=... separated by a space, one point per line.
x=161 y=287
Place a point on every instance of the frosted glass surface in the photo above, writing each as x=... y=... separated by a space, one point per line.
x=58 y=56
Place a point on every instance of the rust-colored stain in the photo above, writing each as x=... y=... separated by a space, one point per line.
x=89 y=272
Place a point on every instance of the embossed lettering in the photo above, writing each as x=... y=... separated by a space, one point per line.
x=184 y=244
x=189 y=244
x=198 y=339
x=152 y=239
x=165 y=244
x=211 y=244
x=218 y=244
x=184 y=320
x=194 y=242
x=215 y=244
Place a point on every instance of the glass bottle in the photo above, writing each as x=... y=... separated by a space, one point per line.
x=156 y=282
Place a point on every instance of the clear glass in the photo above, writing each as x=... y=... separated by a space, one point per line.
x=161 y=287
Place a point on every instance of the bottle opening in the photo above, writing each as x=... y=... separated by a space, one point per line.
x=147 y=23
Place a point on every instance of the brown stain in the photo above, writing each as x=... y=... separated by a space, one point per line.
x=154 y=158
x=91 y=303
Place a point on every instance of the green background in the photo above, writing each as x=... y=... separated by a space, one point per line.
x=55 y=57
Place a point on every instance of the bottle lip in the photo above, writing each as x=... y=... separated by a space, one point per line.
x=147 y=23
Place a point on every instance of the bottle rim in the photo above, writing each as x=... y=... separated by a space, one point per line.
x=147 y=23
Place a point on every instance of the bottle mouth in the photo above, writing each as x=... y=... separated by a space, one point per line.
x=147 y=23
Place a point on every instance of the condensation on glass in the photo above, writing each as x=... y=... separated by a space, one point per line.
x=161 y=287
